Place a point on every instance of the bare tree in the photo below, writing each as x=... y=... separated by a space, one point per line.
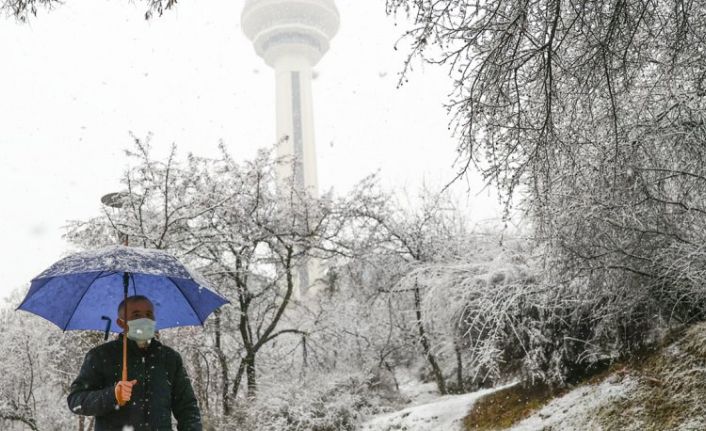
x=249 y=239
x=434 y=231
x=36 y=366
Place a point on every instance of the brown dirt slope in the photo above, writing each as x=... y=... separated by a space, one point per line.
x=671 y=394
x=667 y=392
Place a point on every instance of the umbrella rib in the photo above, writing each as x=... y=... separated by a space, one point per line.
x=105 y=274
x=186 y=298
x=71 y=316
x=134 y=284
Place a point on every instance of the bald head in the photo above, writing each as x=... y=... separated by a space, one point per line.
x=138 y=307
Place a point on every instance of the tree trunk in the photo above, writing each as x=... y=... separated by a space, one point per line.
x=225 y=393
x=305 y=353
x=238 y=378
x=247 y=367
x=459 y=368
x=250 y=369
x=438 y=375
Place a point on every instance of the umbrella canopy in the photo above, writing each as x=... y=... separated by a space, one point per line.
x=79 y=290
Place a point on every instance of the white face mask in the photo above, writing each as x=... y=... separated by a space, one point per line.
x=141 y=329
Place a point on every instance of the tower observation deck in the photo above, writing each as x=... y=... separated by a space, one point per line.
x=292 y=36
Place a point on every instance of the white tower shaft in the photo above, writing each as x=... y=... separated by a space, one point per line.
x=295 y=124
x=292 y=36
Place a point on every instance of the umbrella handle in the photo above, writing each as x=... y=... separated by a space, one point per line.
x=125 y=356
x=126 y=283
x=107 y=326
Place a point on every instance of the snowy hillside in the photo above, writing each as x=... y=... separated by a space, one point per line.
x=663 y=391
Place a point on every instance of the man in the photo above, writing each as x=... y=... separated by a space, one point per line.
x=157 y=383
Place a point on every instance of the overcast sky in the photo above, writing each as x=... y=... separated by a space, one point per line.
x=75 y=81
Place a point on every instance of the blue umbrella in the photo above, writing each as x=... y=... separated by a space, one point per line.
x=80 y=291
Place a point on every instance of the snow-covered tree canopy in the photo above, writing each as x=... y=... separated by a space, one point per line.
x=548 y=87
x=592 y=113
x=23 y=10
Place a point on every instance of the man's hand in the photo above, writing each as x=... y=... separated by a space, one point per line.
x=123 y=391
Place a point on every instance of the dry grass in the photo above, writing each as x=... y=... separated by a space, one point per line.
x=672 y=387
x=503 y=408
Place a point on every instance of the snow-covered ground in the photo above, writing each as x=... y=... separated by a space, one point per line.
x=576 y=411
x=427 y=411
x=444 y=414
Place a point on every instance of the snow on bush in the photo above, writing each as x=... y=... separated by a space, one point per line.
x=500 y=313
x=324 y=402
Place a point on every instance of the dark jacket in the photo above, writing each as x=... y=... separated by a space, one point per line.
x=162 y=388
